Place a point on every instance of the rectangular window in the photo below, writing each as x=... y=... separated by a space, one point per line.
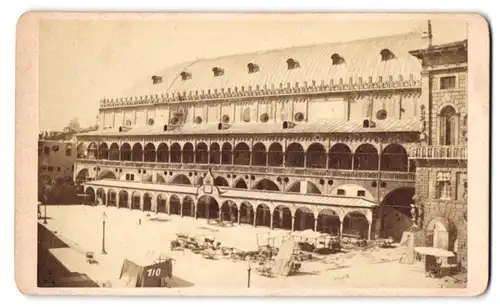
x=46 y=150
x=51 y=169
x=340 y=192
x=361 y=193
x=127 y=177
x=58 y=168
x=68 y=152
x=132 y=177
x=448 y=82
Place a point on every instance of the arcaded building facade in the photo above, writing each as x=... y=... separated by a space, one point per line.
x=316 y=137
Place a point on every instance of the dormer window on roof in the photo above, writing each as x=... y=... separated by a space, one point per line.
x=387 y=55
x=252 y=68
x=185 y=75
x=292 y=64
x=218 y=71
x=337 y=59
x=156 y=79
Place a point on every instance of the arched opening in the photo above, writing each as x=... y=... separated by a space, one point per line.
x=107 y=174
x=295 y=155
x=188 y=153
x=82 y=175
x=111 y=198
x=123 y=199
x=340 y=157
x=241 y=154
x=188 y=206
x=160 y=178
x=221 y=182
x=304 y=219
x=103 y=151
x=366 y=157
x=246 y=213
x=356 y=224
x=92 y=152
x=201 y=153
x=214 y=153
x=328 y=222
x=266 y=184
x=394 y=158
x=229 y=211
x=275 y=155
x=448 y=126
x=282 y=217
x=207 y=207
x=304 y=187
x=316 y=156
x=395 y=212
x=89 y=196
x=161 y=203
x=136 y=200
x=181 y=179
x=125 y=152
x=147 y=202
x=259 y=154
x=114 y=152
x=80 y=151
x=162 y=153
x=175 y=153
x=240 y=184
x=150 y=153
x=441 y=233
x=227 y=154
x=263 y=216
x=174 y=205
x=100 y=197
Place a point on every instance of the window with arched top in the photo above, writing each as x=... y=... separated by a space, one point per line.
x=252 y=68
x=218 y=71
x=448 y=126
x=337 y=59
x=292 y=64
x=386 y=55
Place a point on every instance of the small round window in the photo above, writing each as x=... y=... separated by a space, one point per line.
x=151 y=122
x=198 y=120
x=225 y=119
x=128 y=122
x=264 y=118
x=299 y=117
x=174 y=120
x=381 y=114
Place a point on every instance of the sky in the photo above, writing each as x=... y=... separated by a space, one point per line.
x=83 y=61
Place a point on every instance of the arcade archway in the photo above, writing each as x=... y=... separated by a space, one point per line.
x=161 y=203
x=207 y=207
x=188 y=206
x=246 y=213
x=328 y=222
x=174 y=205
x=263 y=216
x=136 y=200
x=395 y=212
x=229 y=211
x=356 y=224
x=146 y=206
x=282 y=217
x=123 y=199
x=304 y=219
x=89 y=196
x=101 y=197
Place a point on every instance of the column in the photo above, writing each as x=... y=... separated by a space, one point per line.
x=315 y=224
x=352 y=161
x=154 y=204
x=129 y=201
x=341 y=228
x=255 y=219
x=271 y=222
x=369 y=230
x=117 y=197
x=305 y=159
x=293 y=222
x=182 y=208
x=141 y=203
x=239 y=217
x=195 y=210
x=167 y=206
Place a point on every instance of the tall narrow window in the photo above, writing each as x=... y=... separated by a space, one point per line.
x=337 y=59
x=386 y=55
x=218 y=71
x=156 y=79
x=185 y=75
x=292 y=64
x=252 y=68
x=448 y=126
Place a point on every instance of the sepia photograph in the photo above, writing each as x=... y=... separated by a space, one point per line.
x=271 y=152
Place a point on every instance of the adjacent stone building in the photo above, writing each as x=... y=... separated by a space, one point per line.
x=441 y=160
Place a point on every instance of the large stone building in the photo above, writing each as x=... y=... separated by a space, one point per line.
x=441 y=161
x=315 y=137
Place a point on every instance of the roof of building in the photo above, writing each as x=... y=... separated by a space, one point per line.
x=360 y=59
x=269 y=196
x=451 y=46
x=319 y=126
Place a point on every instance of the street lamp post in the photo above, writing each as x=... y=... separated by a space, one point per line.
x=45 y=198
x=249 y=273
x=104 y=216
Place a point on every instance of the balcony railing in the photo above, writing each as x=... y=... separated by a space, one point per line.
x=248 y=169
x=439 y=152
